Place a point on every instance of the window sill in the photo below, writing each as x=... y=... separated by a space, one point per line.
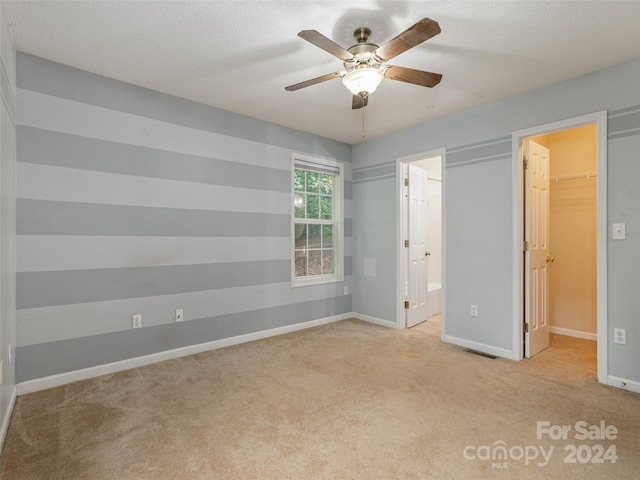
x=319 y=280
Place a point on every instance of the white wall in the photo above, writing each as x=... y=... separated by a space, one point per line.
x=479 y=212
x=433 y=168
x=434 y=223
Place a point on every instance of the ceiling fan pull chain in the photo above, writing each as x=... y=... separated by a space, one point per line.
x=363 y=122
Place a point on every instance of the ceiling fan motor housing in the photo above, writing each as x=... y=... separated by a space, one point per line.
x=364 y=51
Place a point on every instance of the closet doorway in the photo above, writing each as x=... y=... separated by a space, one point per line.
x=572 y=223
x=562 y=239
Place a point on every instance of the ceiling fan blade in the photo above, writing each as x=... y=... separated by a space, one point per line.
x=326 y=44
x=409 y=75
x=412 y=36
x=313 y=81
x=358 y=102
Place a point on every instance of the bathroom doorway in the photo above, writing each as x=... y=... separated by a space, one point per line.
x=420 y=254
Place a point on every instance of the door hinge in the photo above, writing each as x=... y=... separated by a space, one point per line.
x=526 y=328
x=525 y=246
x=406 y=182
x=406 y=243
x=525 y=163
x=406 y=305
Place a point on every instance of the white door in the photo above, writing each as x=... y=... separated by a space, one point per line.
x=418 y=255
x=536 y=310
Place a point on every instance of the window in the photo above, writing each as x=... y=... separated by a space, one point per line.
x=316 y=221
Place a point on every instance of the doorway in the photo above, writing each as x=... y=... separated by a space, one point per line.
x=565 y=291
x=420 y=238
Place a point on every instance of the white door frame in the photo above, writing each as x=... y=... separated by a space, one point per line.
x=400 y=215
x=600 y=119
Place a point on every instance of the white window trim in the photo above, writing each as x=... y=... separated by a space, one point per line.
x=338 y=217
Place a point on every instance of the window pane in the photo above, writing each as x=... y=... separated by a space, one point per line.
x=313 y=181
x=301 y=263
x=299 y=180
x=326 y=210
x=327 y=261
x=326 y=184
x=315 y=240
x=316 y=236
x=298 y=203
x=315 y=262
x=313 y=207
x=327 y=236
x=301 y=235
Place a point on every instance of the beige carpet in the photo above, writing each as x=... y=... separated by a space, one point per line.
x=349 y=400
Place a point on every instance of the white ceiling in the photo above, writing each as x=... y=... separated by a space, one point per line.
x=239 y=55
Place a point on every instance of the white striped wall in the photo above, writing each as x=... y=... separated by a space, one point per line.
x=107 y=198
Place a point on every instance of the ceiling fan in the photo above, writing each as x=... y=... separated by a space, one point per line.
x=365 y=63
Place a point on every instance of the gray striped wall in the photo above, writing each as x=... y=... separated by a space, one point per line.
x=478 y=211
x=7 y=221
x=621 y=123
x=131 y=201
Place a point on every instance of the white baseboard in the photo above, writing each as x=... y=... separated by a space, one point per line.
x=574 y=333
x=480 y=347
x=377 y=321
x=44 y=383
x=624 y=384
x=6 y=417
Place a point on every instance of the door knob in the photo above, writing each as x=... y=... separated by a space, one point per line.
x=550 y=259
x=426 y=254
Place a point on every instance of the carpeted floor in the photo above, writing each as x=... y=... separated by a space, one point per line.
x=348 y=400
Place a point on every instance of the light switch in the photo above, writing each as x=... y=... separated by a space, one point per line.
x=619 y=231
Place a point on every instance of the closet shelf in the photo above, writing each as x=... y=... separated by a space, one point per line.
x=574 y=176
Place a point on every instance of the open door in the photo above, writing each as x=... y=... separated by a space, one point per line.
x=417 y=284
x=536 y=251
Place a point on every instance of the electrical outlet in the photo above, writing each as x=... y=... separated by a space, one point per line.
x=620 y=336
x=137 y=321
x=179 y=315
x=474 y=310
x=346 y=290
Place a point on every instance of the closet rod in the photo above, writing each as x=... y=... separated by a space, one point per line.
x=574 y=176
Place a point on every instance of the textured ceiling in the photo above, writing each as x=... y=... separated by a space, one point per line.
x=239 y=55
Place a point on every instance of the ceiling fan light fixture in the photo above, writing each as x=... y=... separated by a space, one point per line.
x=363 y=81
